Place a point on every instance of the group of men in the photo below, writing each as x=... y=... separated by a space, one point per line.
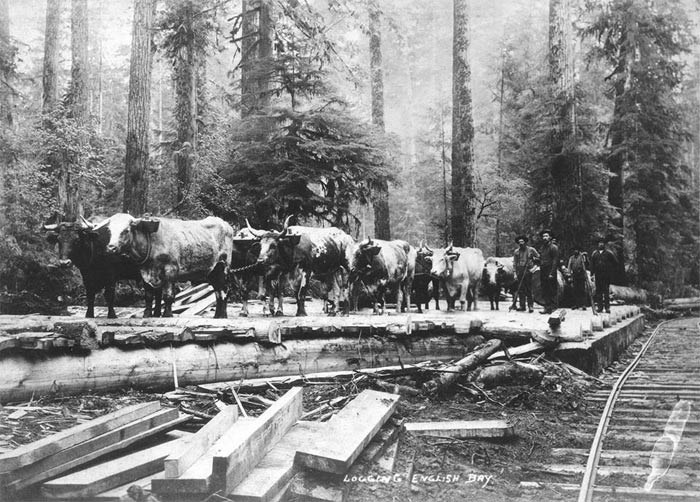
x=602 y=266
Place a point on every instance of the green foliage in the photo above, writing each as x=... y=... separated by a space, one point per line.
x=312 y=163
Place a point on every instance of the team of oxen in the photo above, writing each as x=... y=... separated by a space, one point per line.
x=163 y=252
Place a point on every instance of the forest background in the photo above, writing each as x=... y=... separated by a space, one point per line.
x=444 y=121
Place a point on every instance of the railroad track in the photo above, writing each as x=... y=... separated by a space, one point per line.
x=647 y=443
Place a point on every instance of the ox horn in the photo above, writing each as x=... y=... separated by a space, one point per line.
x=83 y=222
x=50 y=228
x=255 y=233
x=285 y=227
x=449 y=248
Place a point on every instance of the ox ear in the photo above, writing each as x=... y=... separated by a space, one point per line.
x=146 y=225
x=373 y=250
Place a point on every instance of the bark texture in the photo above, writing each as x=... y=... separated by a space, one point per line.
x=382 y=224
x=139 y=113
x=256 y=49
x=463 y=196
x=6 y=91
x=50 y=72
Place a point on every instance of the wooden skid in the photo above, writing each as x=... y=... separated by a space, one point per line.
x=237 y=454
x=274 y=471
x=357 y=423
x=28 y=454
x=113 y=473
x=462 y=429
x=186 y=453
x=92 y=455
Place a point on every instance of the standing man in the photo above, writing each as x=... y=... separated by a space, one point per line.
x=548 y=272
x=603 y=265
x=524 y=260
x=578 y=263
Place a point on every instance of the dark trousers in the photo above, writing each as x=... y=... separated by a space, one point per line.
x=549 y=290
x=602 y=291
x=579 y=290
x=525 y=292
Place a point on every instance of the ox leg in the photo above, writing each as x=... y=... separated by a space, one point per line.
x=168 y=298
x=90 y=299
x=158 y=293
x=436 y=294
x=280 y=296
x=217 y=279
x=301 y=295
x=148 y=300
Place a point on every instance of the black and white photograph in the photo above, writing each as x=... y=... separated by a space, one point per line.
x=349 y=250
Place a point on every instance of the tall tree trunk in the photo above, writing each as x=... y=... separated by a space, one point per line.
x=463 y=196
x=5 y=95
x=186 y=113
x=50 y=74
x=139 y=113
x=69 y=177
x=256 y=55
x=6 y=46
x=382 y=226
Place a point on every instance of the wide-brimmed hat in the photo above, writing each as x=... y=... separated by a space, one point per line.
x=546 y=231
x=523 y=237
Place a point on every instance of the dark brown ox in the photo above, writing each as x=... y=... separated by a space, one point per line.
x=299 y=253
x=459 y=271
x=84 y=244
x=378 y=266
x=498 y=275
x=425 y=286
x=168 y=250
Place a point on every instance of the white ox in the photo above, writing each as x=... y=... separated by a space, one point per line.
x=459 y=271
x=168 y=250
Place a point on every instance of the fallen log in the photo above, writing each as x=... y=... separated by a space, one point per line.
x=509 y=373
x=628 y=294
x=452 y=373
x=113 y=369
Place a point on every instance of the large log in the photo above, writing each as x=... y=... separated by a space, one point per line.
x=443 y=382
x=112 y=369
x=627 y=294
x=510 y=373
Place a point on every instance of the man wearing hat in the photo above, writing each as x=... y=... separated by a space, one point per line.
x=524 y=258
x=577 y=266
x=548 y=272
x=603 y=265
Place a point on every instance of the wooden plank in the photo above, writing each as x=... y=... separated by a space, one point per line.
x=92 y=455
x=556 y=318
x=113 y=473
x=185 y=294
x=186 y=453
x=275 y=470
x=357 y=423
x=121 y=493
x=310 y=486
x=236 y=454
x=198 y=478
x=462 y=429
x=199 y=306
x=32 y=452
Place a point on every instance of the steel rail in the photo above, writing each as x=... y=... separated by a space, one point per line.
x=588 y=482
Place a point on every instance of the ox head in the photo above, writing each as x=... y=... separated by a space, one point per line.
x=443 y=261
x=424 y=258
x=277 y=248
x=71 y=238
x=493 y=272
x=363 y=258
x=127 y=232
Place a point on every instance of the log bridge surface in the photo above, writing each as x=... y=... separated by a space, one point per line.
x=70 y=355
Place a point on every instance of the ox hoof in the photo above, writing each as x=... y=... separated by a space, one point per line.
x=111 y=315
x=332 y=314
x=279 y=313
x=301 y=314
x=243 y=314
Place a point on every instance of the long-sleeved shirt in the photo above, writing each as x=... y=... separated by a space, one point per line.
x=550 y=259
x=603 y=262
x=524 y=259
x=577 y=263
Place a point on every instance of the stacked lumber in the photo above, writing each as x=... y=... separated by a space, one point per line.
x=74 y=447
x=194 y=301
